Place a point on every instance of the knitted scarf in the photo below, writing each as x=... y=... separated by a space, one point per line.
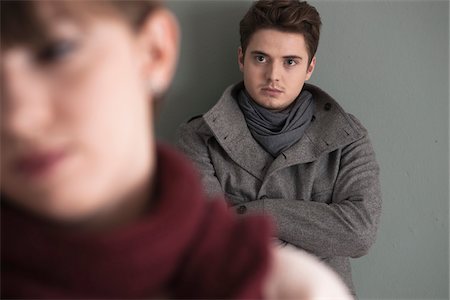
x=276 y=131
x=185 y=247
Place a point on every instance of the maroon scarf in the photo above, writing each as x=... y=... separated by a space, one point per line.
x=185 y=247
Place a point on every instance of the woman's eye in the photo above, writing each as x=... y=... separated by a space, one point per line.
x=260 y=58
x=55 y=51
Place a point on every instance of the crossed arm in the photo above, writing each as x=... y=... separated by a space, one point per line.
x=345 y=227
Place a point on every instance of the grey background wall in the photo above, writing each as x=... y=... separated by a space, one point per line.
x=386 y=62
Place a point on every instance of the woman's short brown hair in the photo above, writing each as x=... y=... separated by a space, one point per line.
x=284 y=15
x=22 y=24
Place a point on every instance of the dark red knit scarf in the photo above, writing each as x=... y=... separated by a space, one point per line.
x=185 y=248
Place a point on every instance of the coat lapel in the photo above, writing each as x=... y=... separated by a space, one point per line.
x=228 y=125
x=330 y=129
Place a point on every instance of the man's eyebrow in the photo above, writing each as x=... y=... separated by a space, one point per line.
x=257 y=52
x=293 y=56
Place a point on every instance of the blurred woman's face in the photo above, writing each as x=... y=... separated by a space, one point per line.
x=76 y=119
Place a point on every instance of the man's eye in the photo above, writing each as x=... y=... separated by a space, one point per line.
x=291 y=62
x=260 y=58
x=55 y=51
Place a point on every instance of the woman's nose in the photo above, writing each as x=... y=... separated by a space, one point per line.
x=25 y=106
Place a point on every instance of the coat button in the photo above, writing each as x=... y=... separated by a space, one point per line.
x=242 y=209
x=327 y=106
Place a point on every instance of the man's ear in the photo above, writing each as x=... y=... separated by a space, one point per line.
x=241 y=59
x=310 y=69
x=159 y=41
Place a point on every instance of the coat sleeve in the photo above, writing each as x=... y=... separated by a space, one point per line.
x=345 y=227
x=192 y=139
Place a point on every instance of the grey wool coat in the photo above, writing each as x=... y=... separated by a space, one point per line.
x=323 y=192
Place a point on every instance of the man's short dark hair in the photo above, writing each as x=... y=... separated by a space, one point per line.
x=283 y=15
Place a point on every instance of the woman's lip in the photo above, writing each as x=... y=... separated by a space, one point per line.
x=39 y=163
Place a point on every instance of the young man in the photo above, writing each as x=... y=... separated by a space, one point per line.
x=277 y=145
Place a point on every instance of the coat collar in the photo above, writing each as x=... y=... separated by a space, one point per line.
x=227 y=123
x=330 y=129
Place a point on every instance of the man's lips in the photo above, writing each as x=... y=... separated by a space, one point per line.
x=39 y=163
x=270 y=90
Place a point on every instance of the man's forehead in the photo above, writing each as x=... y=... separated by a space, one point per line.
x=277 y=42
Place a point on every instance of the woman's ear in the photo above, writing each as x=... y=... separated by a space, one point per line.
x=159 y=40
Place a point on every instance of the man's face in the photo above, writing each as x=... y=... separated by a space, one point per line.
x=275 y=67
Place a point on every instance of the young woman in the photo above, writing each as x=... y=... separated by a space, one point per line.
x=92 y=206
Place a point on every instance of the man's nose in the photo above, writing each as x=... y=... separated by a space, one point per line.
x=274 y=72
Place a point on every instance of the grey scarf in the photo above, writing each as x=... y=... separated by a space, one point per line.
x=276 y=131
